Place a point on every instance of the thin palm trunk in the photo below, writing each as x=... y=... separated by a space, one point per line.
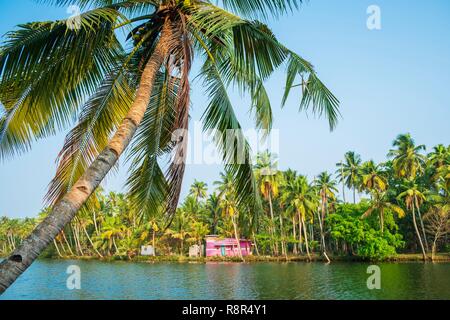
x=92 y=244
x=354 y=195
x=381 y=220
x=115 y=245
x=322 y=238
x=57 y=249
x=300 y=239
x=418 y=234
x=76 y=236
x=256 y=244
x=423 y=229
x=294 y=234
x=153 y=242
x=94 y=219
x=236 y=235
x=275 y=243
x=305 y=233
x=283 y=242
x=65 y=209
x=67 y=242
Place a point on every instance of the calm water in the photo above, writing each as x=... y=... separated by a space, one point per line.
x=124 y=280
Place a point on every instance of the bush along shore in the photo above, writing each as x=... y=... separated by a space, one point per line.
x=398 y=210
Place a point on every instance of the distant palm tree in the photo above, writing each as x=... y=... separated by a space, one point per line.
x=379 y=204
x=229 y=205
x=408 y=162
x=348 y=172
x=269 y=179
x=213 y=209
x=327 y=191
x=179 y=229
x=198 y=231
x=198 y=190
x=139 y=96
x=298 y=197
x=440 y=156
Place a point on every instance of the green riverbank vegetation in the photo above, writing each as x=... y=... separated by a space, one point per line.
x=396 y=210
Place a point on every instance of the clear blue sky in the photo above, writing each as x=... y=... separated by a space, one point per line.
x=390 y=81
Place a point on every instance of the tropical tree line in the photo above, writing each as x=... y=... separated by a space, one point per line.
x=132 y=94
x=365 y=209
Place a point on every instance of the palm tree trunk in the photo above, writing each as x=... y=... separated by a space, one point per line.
x=283 y=242
x=115 y=246
x=90 y=241
x=322 y=237
x=423 y=230
x=256 y=244
x=294 y=234
x=237 y=239
x=57 y=249
x=306 y=238
x=65 y=209
x=67 y=242
x=153 y=243
x=76 y=236
x=381 y=220
x=354 y=195
x=418 y=234
x=94 y=219
x=300 y=234
x=275 y=243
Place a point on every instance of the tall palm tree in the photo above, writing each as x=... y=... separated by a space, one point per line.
x=380 y=204
x=213 y=209
x=179 y=229
x=327 y=191
x=413 y=200
x=348 y=172
x=269 y=178
x=198 y=190
x=299 y=197
x=139 y=96
x=407 y=159
x=229 y=205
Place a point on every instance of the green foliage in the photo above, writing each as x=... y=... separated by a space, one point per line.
x=346 y=225
x=113 y=227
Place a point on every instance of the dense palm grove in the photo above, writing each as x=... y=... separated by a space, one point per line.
x=401 y=205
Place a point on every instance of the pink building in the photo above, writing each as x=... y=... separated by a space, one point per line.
x=226 y=247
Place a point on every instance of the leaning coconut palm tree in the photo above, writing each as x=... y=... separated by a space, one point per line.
x=52 y=72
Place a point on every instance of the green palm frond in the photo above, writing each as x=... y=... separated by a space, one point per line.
x=262 y=8
x=47 y=70
x=100 y=117
x=147 y=185
x=220 y=117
